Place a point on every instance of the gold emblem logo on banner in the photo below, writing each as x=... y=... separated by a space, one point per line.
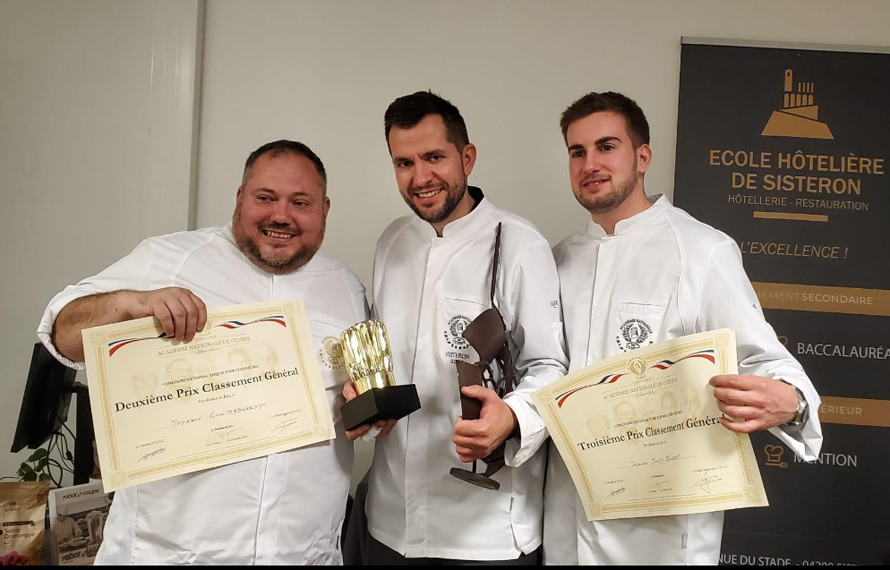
x=799 y=116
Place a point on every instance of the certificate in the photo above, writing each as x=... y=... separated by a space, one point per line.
x=246 y=386
x=640 y=432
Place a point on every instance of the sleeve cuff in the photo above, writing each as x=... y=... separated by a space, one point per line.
x=804 y=440
x=532 y=433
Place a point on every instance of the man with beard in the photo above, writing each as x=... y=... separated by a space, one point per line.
x=286 y=508
x=432 y=277
x=643 y=271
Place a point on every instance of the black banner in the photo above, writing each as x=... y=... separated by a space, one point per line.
x=786 y=150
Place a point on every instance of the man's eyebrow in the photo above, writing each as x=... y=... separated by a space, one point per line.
x=606 y=139
x=425 y=156
x=575 y=147
x=272 y=191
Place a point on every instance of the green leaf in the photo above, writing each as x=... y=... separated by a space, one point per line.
x=43 y=477
x=38 y=454
x=41 y=465
x=21 y=472
x=30 y=476
x=26 y=471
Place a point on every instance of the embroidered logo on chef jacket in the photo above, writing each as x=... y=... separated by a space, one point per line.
x=331 y=354
x=456 y=326
x=634 y=332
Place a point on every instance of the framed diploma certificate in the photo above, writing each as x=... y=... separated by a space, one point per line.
x=641 y=436
x=246 y=386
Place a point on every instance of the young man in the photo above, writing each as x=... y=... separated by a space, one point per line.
x=432 y=277
x=286 y=508
x=642 y=263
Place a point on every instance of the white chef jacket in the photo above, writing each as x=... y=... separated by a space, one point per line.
x=426 y=289
x=286 y=508
x=676 y=276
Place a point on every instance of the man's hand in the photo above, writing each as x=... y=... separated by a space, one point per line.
x=476 y=439
x=385 y=426
x=763 y=403
x=180 y=312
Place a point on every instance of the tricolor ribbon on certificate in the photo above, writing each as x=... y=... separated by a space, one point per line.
x=247 y=385
x=640 y=432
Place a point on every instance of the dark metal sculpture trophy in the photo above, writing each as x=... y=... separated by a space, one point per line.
x=488 y=336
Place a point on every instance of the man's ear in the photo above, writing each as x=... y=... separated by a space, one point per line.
x=327 y=206
x=644 y=158
x=468 y=158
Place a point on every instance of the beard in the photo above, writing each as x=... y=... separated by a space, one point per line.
x=275 y=262
x=453 y=195
x=614 y=198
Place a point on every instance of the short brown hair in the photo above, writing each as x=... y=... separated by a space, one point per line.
x=277 y=148
x=637 y=125
x=405 y=112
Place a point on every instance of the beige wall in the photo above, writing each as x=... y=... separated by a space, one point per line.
x=96 y=136
x=324 y=71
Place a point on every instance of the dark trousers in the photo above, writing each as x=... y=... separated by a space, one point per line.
x=381 y=555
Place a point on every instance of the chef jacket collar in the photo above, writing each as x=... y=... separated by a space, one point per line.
x=658 y=203
x=473 y=222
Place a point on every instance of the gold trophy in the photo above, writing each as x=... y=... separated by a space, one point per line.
x=368 y=359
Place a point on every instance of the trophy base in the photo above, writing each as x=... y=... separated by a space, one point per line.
x=477 y=479
x=390 y=403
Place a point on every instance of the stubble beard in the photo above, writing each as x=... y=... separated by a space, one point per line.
x=620 y=192
x=454 y=194
x=277 y=264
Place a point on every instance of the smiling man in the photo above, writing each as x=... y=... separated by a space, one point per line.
x=280 y=239
x=286 y=508
x=432 y=277
x=641 y=272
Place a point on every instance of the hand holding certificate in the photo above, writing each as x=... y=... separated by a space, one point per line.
x=640 y=433
x=246 y=386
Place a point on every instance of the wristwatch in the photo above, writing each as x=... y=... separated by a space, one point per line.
x=800 y=416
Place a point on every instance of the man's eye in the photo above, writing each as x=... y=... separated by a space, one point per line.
x=436 y=158
x=607 y=147
x=263 y=198
x=577 y=154
x=301 y=204
x=403 y=164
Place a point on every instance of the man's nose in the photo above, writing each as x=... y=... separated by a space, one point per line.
x=280 y=213
x=592 y=163
x=423 y=174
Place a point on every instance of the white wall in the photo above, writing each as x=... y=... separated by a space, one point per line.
x=97 y=102
x=323 y=72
